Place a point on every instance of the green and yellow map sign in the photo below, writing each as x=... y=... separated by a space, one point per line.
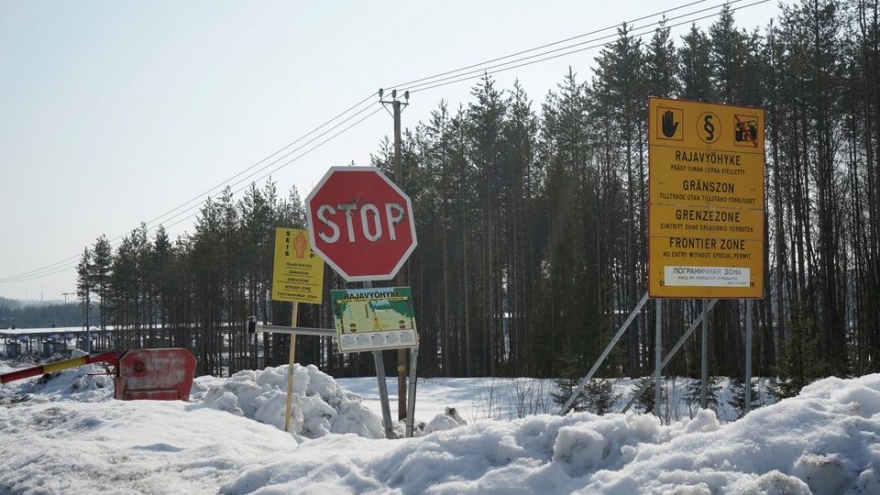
x=298 y=274
x=374 y=319
x=706 y=200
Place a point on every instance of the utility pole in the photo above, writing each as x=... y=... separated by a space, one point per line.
x=400 y=278
x=65 y=294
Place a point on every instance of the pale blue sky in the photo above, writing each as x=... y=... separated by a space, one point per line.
x=117 y=112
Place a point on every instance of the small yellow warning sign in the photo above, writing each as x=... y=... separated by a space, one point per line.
x=298 y=273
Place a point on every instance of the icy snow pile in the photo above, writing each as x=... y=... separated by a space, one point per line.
x=822 y=442
x=59 y=436
x=447 y=421
x=87 y=383
x=319 y=405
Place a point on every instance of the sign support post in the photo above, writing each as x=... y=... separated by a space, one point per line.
x=748 y=355
x=704 y=357
x=669 y=355
x=411 y=405
x=298 y=275
x=577 y=391
x=383 y=393
x=293 y=318
x=379 y=360
x=658 y=354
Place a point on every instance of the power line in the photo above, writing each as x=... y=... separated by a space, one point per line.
x=437 y=81
x=263 y=168
x=58 y=267
x=304 y=153
x=572 y=49
x=68 y=263
x=541 y=47
x=200 y=197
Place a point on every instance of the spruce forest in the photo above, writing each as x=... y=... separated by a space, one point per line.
x=531 y=216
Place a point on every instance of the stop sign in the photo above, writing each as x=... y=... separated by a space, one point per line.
x=361 y=223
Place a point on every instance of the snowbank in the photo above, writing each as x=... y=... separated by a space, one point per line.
x=65 y=435
x=319 y=405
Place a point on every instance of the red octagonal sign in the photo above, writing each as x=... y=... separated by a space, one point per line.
x=361 y=223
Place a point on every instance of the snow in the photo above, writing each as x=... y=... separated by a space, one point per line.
x=66 y=434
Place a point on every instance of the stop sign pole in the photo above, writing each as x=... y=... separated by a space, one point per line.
x=361 y=223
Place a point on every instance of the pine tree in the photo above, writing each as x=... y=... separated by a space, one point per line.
x=738 y=397
x=600 y=397
x=645 y=402
x=101 y=262
x=694 y=59
x=726 y=57
x=567 y=382
x=486 y=123
x=800 y=364
x=84 y=286
x=619 y=96
x=662 y=63
x=520 y=251
x=695 y=390
x=158 y=273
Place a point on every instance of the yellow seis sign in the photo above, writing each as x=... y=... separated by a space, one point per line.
x=706 y=200
x=298 y=273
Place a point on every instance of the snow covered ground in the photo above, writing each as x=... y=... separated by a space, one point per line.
x=67 y=435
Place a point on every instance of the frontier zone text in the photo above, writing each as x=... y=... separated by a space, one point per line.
x=707 y=243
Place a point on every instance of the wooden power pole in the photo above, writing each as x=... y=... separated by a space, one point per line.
x=400 y=278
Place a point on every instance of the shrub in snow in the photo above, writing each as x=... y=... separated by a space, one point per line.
x=566 y=384
x=600 y=396
x=694 y=394
x=738 y=397
x=645 y=402
x=800 y=363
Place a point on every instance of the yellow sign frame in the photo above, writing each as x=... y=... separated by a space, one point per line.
x=298 y=272
x=706 y=206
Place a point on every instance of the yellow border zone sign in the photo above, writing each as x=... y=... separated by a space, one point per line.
x=298 y=273
x=706 y=200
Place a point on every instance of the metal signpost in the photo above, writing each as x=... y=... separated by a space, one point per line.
x=706 y=208
x=362 y=225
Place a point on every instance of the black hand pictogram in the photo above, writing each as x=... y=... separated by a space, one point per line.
x=669 y=124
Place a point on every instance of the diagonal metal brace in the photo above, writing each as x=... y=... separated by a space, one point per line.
x=583 y=383
x=669 y=357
